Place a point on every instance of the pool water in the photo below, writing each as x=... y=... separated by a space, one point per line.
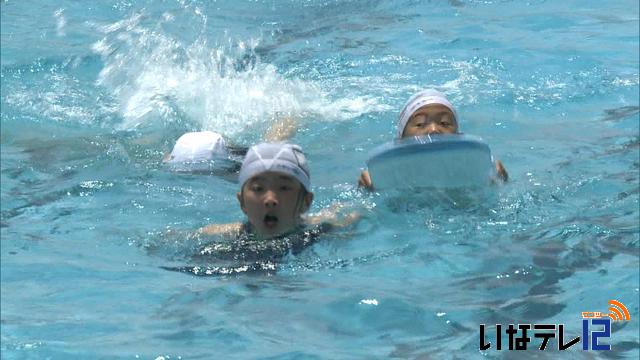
x=92 y=224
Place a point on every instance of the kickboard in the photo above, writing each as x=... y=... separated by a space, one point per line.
x=438 y=161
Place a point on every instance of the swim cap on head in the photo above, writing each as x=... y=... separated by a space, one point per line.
x=201 y=146
x=277 y=157
x=424 y=97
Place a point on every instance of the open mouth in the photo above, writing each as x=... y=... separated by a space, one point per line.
x=270 y=221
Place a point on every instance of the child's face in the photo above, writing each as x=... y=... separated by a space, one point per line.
x=273 y=203
x=431 y=119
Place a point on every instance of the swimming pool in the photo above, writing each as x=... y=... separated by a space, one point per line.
x=94 y=94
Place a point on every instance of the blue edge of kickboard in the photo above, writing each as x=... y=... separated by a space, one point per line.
x=435 y=142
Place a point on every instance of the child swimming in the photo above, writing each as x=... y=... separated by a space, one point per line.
x=426 y=113
x=209 y=152
x=275 y=193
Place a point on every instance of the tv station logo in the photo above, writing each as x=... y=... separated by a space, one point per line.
x=596 y=326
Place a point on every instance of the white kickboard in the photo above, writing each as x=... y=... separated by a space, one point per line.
x=439 y=161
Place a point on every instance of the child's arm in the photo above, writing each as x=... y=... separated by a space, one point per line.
x=281 y=130
x=331 y=216
x=220 y=229
x=502 y=172
x=365 y=180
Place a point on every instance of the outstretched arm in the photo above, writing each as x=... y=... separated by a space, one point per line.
x=220 y=229
x=334 y=216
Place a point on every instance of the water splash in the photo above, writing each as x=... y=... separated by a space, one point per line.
x=221 y=86
x=61 y=22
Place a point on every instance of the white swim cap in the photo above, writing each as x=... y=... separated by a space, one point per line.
x=278 y=157
x=424 y=97
x=194 y=147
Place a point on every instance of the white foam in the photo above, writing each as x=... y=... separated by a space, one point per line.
x=61 y=22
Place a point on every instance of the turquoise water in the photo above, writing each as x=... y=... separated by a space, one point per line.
x=94 y=94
